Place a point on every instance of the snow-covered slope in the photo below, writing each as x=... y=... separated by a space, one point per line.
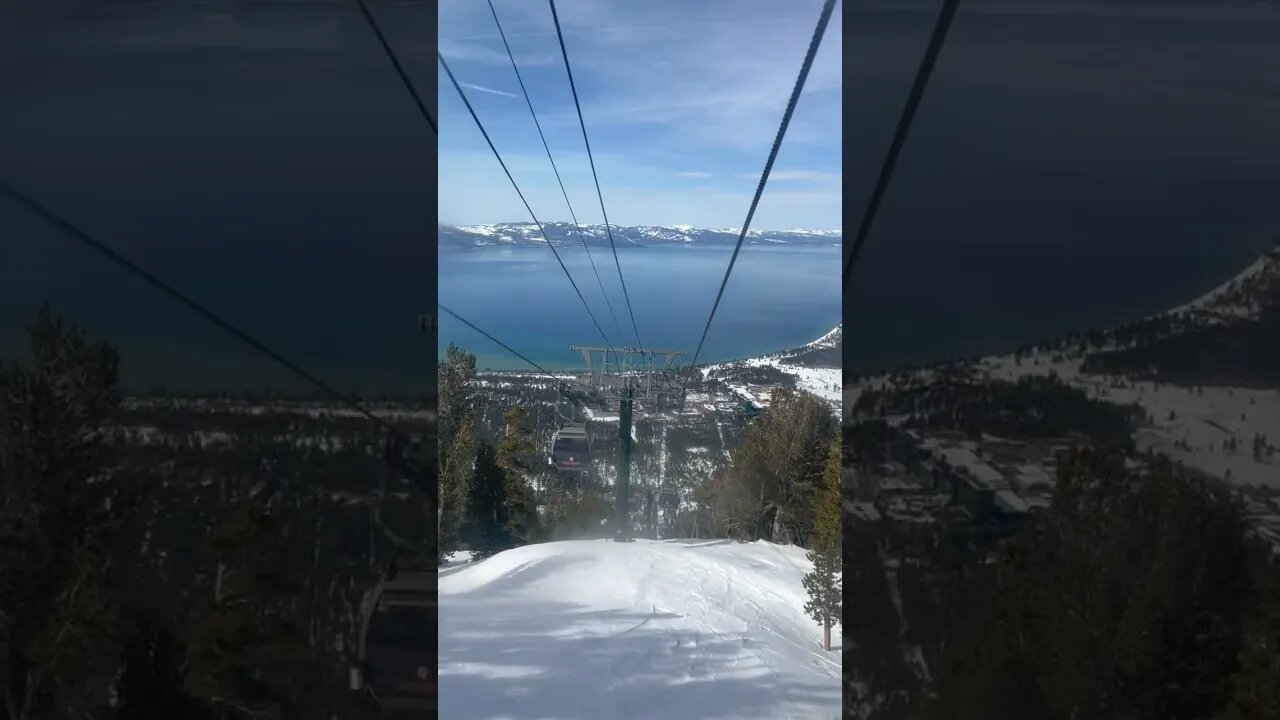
x=561 y=233
x=1188 y=424
x=670 y=630
x=815 y=367
x=1239 y=297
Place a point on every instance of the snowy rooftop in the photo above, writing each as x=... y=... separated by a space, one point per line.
x=1009 y=502
x=1034 y=475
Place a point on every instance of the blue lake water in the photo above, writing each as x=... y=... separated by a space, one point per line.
x=776 y=298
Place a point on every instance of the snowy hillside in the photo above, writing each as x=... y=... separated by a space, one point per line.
x=1188 y=423
x=527 y=234
x=1199 y=421
x=813 y=367
x=1243 y=296
x=677 y=630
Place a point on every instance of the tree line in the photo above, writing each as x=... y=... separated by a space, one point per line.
x=1034 y=406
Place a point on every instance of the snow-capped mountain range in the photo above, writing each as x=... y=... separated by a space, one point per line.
x=564 y=234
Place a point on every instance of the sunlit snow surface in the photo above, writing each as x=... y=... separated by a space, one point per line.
x=582 y=630
x=825 y=382
x=1202 y=420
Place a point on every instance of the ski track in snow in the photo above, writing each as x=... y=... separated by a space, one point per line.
x=677 y=629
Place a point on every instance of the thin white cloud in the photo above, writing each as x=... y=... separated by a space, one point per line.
x=812 y=176
x=707 y=75
x=484 y=89
x=664 y=85
x=492 y=53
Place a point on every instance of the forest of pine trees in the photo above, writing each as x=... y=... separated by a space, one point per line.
x=1139 y=593
x=487 y=490
x=1035 y=406
x=97 y=620
x=768 y=491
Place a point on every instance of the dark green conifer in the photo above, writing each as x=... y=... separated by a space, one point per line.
x=823 y=583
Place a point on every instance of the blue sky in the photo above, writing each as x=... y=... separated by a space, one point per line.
x=681 y=99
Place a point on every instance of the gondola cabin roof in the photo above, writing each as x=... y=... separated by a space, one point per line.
x=572 y=431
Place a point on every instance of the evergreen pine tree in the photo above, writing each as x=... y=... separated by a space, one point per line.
x=248 y=625
x=58 y=651
x=519 y=512
x=486 y=497
x=768 y=490
x=455 y=437
x=823 y=584
x=456 y=378
x=1255 y=689
x=455 y=485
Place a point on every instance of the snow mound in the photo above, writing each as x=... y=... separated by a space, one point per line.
x=675 y=629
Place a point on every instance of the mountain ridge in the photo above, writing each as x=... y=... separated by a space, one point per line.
x=1203 y=372
x=564 y=234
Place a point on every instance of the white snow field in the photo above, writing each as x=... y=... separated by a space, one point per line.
x=675 y=629
x=1201 y=420
x=824 y=382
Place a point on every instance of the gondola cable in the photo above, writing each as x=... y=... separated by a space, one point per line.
x=936 y=41
x=56 y=220
x=501 y=344
x=496 y=154
x=394 y=435
x=554 y=169
x=818 y=32
x=496 y=341
x=395 y=62
x=570 y=439
x=418 y=585
x=582 y=123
